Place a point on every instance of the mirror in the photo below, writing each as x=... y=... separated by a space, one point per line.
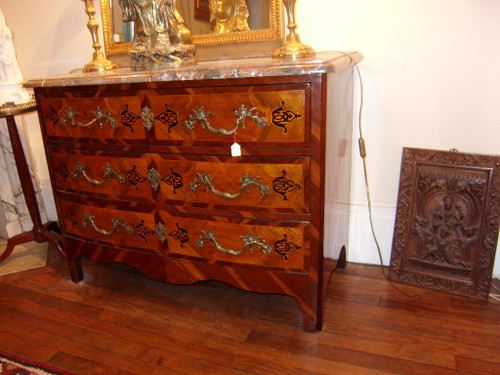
x=264 y=25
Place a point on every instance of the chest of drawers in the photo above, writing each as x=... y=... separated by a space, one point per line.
x=144 y=171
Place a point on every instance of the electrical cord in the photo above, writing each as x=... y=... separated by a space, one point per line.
x=362 y=152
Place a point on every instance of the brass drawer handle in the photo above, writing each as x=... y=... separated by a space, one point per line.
x=118 y=223
x=246 y=182
x=69 y=117
x=242 y=114
x=248 y=240
x=109 y=172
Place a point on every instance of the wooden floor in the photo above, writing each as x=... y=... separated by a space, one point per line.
x=119 y=322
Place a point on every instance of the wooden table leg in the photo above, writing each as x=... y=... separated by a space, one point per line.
x=39 y=233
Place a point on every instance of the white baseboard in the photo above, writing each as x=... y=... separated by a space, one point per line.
x=361 y=245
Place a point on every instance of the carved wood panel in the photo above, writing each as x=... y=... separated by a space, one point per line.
x=447 y=221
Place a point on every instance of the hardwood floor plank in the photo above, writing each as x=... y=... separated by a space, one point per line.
x=113 y=344
x=60 y=343
x=17 y=344
x=119 y=322
x=353 y=315
x=392 y=327
x=403 y=347
x=447 y=318
x=124 y=300
x=478 y=367
x=261 y=360
x=81 y=366
x=338 y=354
x=480 y=340
x=53 y=301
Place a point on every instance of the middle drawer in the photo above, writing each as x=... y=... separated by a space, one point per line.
x=201 y=181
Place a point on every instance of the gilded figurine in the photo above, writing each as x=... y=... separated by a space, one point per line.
x=161 y=38
x=228 y=15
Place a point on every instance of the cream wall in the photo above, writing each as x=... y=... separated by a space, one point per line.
x=430 y=80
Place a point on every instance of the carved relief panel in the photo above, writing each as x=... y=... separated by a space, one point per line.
x=447 y=221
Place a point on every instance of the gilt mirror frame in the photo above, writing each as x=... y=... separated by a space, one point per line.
x=273 y=33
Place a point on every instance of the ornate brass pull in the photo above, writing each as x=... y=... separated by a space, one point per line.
x=79 y=169
x=69 y=117
x=167 y=117
x=154 y=179
x=118 y=223
x=246 y=182
x=161 y=232
x=147 y=116
x=242 y=114
x=248 y=240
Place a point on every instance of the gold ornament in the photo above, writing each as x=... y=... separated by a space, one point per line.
x=99 y=62
x=293 y=48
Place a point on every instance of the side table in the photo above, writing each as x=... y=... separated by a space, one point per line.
x=40 y=232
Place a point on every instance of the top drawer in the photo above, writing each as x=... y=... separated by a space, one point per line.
x=261 y=115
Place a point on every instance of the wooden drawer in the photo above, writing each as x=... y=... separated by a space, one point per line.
x=269 y=244
x=260 y=115
x=115 y=227
x=245 y=117
x=98 y=118
x=272 y=245
x=224 y=182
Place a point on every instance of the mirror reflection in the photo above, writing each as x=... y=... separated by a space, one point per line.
x=212 y=17
x=227 y=16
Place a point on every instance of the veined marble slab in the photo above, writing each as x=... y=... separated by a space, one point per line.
x=323 y=62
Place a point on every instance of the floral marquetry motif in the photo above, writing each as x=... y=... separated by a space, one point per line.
x=62 y=169
x=168 y=117
x=180 y=234
x=282 y=117
x=72 y=218
x=282 y=185
x=128 y=118
x=284 y=247
x=447 y=221
x=173 y=179
x=135 y=178
x=52 y=115
x=143 y=231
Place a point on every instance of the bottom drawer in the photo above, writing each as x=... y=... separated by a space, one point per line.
x=211 y=239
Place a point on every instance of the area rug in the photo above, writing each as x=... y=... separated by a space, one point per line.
x=13 y=365
x=26 y=256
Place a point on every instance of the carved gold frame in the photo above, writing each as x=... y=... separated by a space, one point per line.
x=273 y=33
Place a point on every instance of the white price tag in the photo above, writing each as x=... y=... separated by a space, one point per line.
x=236 y=149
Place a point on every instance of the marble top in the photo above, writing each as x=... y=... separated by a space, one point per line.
x=323 y=62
